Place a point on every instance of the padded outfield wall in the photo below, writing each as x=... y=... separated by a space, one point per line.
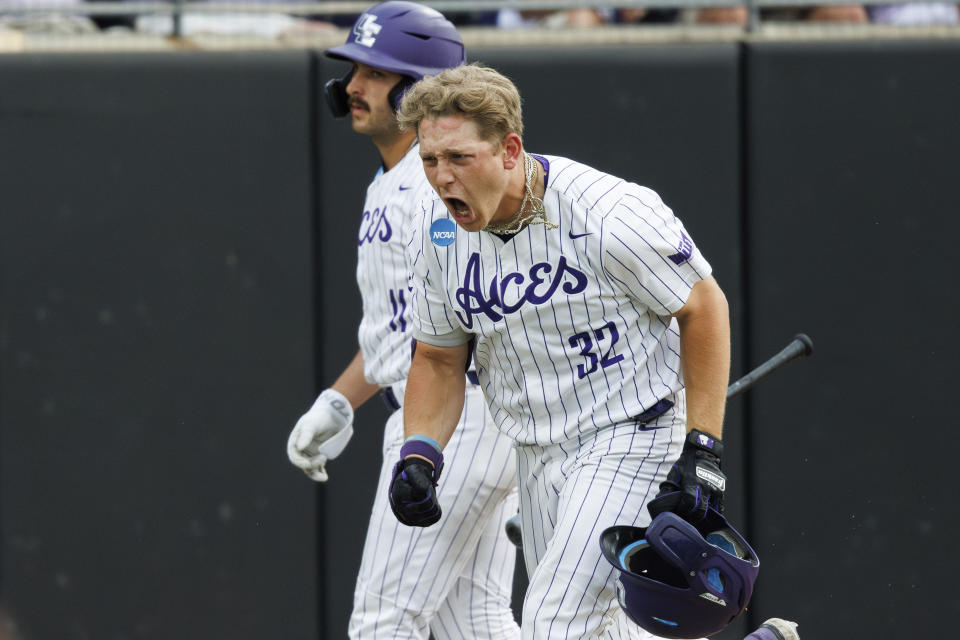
x=176 y=282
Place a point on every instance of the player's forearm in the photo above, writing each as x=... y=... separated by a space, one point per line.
x=353 y=385
x=705 y=356
x=434 y=395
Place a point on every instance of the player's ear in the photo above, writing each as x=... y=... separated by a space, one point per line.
x=512 y=150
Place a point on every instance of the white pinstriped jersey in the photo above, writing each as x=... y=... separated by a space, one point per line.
x=392 y=200
x=572 y=325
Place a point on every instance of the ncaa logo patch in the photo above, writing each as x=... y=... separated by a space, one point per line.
x=443 y=232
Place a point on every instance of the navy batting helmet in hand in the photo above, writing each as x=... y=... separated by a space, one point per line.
x=401 y=37
x=678 y=580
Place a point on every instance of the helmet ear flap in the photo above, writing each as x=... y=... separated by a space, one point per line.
x=335 y=94
x=396 y=94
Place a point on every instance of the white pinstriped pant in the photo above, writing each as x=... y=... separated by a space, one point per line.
x=455 y=578
x=570 y=493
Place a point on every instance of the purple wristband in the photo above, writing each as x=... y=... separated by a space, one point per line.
x=426 y=450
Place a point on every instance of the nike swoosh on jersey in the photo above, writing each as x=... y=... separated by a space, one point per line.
x=403 y=188
x=574 y=236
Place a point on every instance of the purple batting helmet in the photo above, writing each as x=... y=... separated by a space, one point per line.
x=401 y=37
x=679 y=580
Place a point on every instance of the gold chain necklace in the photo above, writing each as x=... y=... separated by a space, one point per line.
x=537 y=213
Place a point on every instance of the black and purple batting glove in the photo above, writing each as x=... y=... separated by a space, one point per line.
x=413 y=495
x=695 y=482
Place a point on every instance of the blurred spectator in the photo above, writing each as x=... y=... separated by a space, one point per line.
x=570 y=18
x=472 y=18
x=739 y=15
x=723 y=15
x=12 y=5
x=646 y=16
x=114 y=21
x=48 y=22
x=841 y=13
x=914 y=13
x=849 y=13
x=267 y=25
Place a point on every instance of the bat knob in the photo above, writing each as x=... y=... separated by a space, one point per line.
x=807 y=343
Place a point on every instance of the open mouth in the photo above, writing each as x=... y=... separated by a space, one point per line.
x=458 y=207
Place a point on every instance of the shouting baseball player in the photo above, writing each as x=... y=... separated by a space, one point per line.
x=601 y=341
x=455 y=579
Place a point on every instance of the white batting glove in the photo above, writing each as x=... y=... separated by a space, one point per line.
x=321 y=434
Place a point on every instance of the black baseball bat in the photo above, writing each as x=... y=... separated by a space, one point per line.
x=799 y=347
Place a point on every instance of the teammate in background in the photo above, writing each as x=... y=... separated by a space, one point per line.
x=601 y=341
x=455 y=579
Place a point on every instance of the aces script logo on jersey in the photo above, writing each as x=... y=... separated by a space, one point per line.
x=544 y=280
x=374 y=225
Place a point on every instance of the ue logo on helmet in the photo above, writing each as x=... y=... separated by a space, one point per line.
x=443 y=232
x=366 y=30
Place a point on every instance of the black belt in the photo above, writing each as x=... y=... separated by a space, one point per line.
x=654 y=412
x=390 y=398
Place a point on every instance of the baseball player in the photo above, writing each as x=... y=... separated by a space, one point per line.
x=453 y=580
x=600 y=339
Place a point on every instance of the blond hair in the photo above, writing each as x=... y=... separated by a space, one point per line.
x=476 y=91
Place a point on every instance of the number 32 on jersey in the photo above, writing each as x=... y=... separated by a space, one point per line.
x=597 y=347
